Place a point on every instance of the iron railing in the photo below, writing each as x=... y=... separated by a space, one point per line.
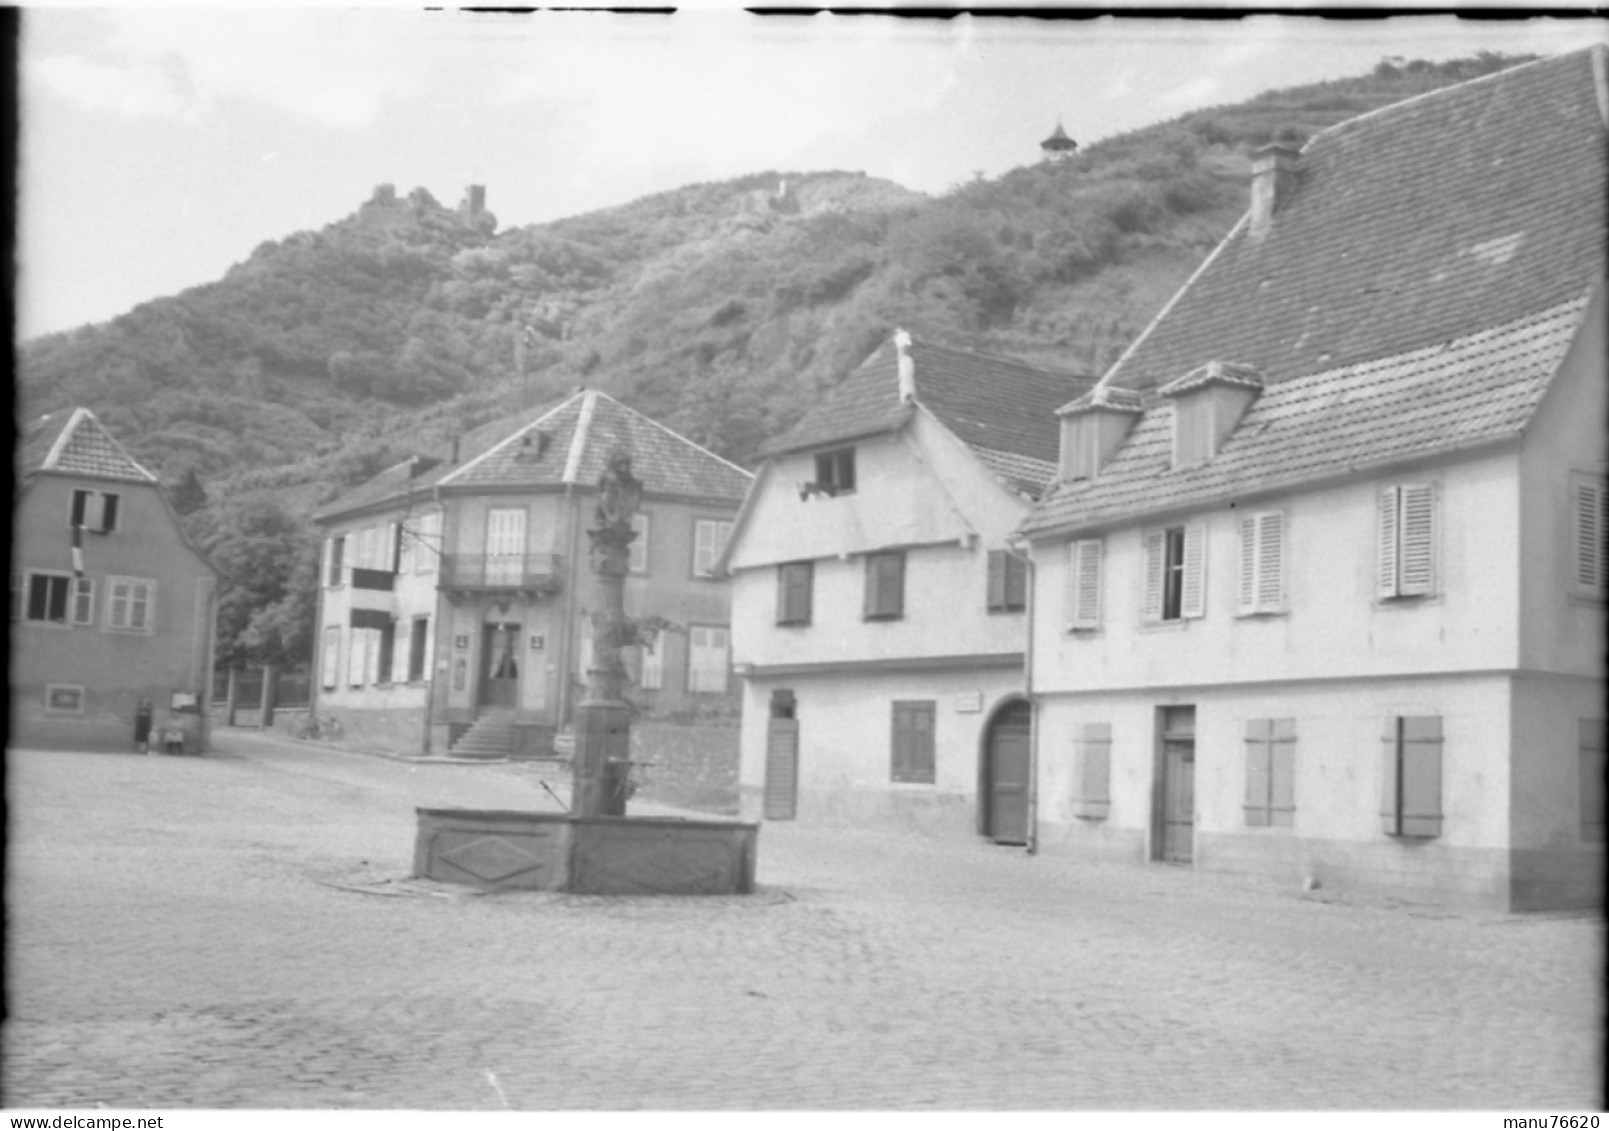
x=500 y=571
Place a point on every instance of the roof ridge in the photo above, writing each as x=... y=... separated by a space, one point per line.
x=669 y=431
x=578 y=438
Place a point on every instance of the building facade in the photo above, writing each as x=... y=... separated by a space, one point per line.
x=456 y=589
x=879 y=614
x=110 y=603
x=1320 y=584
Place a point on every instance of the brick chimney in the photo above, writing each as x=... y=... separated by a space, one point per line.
x=1273 y=178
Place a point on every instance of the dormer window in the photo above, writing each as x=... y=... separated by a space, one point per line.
x=1093 y=427
x=835 y=472
x=1207 y=405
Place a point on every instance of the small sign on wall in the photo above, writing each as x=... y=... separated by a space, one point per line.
x=536 y=643
x=968 y=702
x=461 y=642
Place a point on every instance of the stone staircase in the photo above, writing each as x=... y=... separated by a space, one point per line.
x=491 y=737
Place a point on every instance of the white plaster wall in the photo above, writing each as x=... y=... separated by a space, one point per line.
x=1335 y=625
x=845 y=746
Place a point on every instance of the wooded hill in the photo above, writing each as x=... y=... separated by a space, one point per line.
x=722 y=310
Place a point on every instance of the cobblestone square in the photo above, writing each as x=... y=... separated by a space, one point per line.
x=239 y=931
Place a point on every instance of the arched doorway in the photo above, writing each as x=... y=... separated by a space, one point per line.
x=1007 y=768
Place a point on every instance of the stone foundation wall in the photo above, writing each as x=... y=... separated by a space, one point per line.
x=397 y=730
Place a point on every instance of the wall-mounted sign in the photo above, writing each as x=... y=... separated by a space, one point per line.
x=536 y=643
x=183 y=701
x=969 y=701
x=461 y=642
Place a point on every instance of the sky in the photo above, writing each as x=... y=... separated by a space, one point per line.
x=160 y=147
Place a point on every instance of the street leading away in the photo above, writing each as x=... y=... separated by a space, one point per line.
x=239 y=931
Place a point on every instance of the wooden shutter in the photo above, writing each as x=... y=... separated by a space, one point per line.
x=1270 y=561
x=1259 y=741
x=393 y=541
x=1092 y=748
x=1417 y=576
x=1193 y=597
x=1591 y=742
x=1412 y=776
x=885 y=585
x=793 y=592
x=997 y=580
x=330 y=666
x=913 y=742
x=1248 y=566
x=1588 y=513
x=1084 y=583
x=1386 y=585
x=1156 y=544
x=1282 y=773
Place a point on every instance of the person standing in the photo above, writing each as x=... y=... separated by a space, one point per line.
x=142 y=726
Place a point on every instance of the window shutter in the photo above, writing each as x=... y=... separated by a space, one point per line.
x=997 y=579
x=902 y=738
x=83 y=600
x=1418 y=531
x=1387 y=581
x=1016 y=583
x=1248 y=564
x=75 y=515
x=1591 y=743
x=1155 y=547
x=1589 y=512
x=1259 y=735
x=1271 y=561
x=1193 y=600
x=1421 y=776
x=1282 y=773
x=107 y=522
x=332 y=656
x=1084 y=576
x=393 y=543
x=1093 y=749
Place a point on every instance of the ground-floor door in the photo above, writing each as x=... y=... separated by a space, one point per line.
x=781 y=759
x=1178 y=784
x=1009 y=769
x=500 y=665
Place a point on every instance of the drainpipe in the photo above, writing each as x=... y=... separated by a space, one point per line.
x=1019 y=551
x=571 y=572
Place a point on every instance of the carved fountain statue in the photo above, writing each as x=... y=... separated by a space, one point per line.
x=595 y=847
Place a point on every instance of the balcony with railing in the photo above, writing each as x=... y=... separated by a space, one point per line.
x=529 y=574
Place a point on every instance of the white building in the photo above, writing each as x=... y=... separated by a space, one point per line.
x=878 y=617
x=1320 y=585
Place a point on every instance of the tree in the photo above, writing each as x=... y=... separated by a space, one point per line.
x=268 y=591
x=189 y=496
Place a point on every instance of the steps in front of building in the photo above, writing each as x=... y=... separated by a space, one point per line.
x=491 y=737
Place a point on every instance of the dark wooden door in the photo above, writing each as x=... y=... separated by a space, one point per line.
x=1010 y=767
x=500 y=665
x=781 y=769
x=1178 y=799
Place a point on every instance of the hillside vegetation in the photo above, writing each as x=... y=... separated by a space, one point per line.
x=722 y=309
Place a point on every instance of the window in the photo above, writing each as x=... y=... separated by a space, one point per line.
x=1589 y=510
x=794 y=584
x=638 y=561
x=1592 y=785
x=83 y=601
x=652 y=675
x=1092 y=756
x=1262 y=563
x=427 y=542
x=386 y=646
x=885 y=586
x=505 y=546
x=913 y=741
x=835 y=472
x=336 y=561
x=1407 y=540
x=417 y=641
x=64 y=699
x=47 y=597
x=1175 y=564
x=1270 y=772
x=1411 y=789
x=357 y=657
x=330 y=661
x=1008 y=583
x=706 y=659
x=94 y=510
x=709 y=539
x=129 y=603
x=1084 y=584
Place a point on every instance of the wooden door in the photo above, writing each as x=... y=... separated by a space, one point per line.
x=1010 y=767
x=500 y=665
x=1178 y=799
x=781 y=759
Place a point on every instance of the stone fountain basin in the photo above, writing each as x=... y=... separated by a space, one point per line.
x=506 y=850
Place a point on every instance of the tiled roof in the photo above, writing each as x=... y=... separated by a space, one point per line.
x=1475 y=389
x=1414 y=296
x=398 y=480
x=77 y=444
x=1002 y=409
x=1417 y=223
